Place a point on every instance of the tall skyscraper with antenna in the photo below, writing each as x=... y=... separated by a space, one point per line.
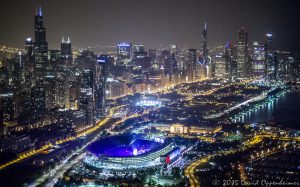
x=204 y=49
x=40 y=46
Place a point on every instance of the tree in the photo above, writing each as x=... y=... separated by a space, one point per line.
x=176 y=172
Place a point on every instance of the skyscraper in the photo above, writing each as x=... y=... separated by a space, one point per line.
x=167 y=62
x=40 y=46
x=61 y=91
x=152 y=54
x=38 y=102
x=100 y=87
x=220 y=66
x=124 y=50
x=4 y=77
x=7 y=104
x=204 y=66
x=92 y=85
x=139 y=51
x=66 y=49
x=17 y=73
x=258 y=59
x=204 y=49
x=50 y=91
x=173 y=49
x=200 y=68
x=242 y=54
x=86 y=102
x=286 y=64
x=29 y=46
x=228 y=60
x=270 y=70
x=191 y=64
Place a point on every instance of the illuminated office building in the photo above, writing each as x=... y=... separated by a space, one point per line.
x=124 y=50
x=38 y=102
x=258 y=59
x=242 y=54
x=40 y=46
x=220 y=66
x=100 y=86
x=191 y=64
x=29 y=46
x=204 y=49
x=271 y=66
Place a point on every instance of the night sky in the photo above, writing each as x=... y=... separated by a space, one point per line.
x=151 y=22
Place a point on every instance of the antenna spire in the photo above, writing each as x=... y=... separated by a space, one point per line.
x=40 y=13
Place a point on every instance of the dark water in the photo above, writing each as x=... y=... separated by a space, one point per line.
x=284 y=110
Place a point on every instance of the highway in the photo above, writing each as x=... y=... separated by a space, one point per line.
x=56 y=173
x=24 y=156
x=190 y=170
x=84 y=132
x=226 y=111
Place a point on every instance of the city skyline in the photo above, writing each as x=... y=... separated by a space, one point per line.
x=158 y=23
x=191 y=112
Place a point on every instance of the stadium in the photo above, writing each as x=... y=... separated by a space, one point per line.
x=127 y=152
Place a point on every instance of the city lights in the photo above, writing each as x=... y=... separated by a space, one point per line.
x=149 y=93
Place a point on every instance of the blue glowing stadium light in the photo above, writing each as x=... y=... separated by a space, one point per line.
x=161 y=140
x=135 y=152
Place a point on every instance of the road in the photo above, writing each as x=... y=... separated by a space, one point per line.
x=67 y=163
x=85 y=132
x=190 y=170
x=24 y=156
x=56 y=173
